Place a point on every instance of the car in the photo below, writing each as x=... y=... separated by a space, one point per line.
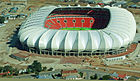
x=96 y=68
x=1 y=25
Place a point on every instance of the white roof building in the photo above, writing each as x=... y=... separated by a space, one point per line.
x=119 y=32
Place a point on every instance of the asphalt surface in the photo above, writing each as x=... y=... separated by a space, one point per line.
x=135 y=71
x=92 y=72
x=87 y=71
x=41 y=73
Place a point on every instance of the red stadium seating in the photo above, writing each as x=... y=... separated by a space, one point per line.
x=63 y=21
x=56 y=25
x=102 y=17
x=47 y=24
x=88 y=22
x=78 y=22
x=70 y=22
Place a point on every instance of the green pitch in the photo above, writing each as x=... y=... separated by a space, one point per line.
x=77 y=28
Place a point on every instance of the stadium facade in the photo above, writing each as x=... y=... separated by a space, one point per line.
x=78 y=31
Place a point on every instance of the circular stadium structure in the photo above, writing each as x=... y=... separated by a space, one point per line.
x=78 y=30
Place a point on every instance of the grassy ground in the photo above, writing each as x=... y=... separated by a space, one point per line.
x=78 y=29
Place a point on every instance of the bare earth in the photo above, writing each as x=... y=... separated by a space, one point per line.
x=58 y=62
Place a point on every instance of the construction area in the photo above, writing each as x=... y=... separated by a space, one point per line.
x=9 y=43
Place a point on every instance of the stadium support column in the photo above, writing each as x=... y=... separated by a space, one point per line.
x=52 y=52
x=104 y=53
x=29 y=50
x=116 y=52
x=23 y=47
x=68 y=53
x=82 y=54
x=40 y=51
x=48 y=52
x=65 y=54
x=56 y=54
x=37 y=51
x=91 y=54
x=78 y=54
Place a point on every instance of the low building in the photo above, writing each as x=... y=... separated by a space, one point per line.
x=122 y=76
x=19 y=1
x=70 y=73
x=20 y=57
x=117 y=76
x=87 y=1
x=1 y=25
x=12 y=17
x=115 y=58
x=71 y=77
x=114 y=74
x=44 y=77
x=119 y=4
x=5 y=73
x=13 y=10
x=107 y=1
x=6 y=21
x=67 y=0
x=22 y=71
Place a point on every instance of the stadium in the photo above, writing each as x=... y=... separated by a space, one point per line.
x=78 y=31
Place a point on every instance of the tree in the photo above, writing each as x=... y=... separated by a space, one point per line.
x=106 y=77
x=50 y=69
x=81 y=74
x=37 y=66
x=91 y=77
x=1 y=69
x=44 y=69
x=8 y=68
x=94 y=77
x=2 y=19
x=30 y=68
x=130 y=3
x=58 y=75
x=16 y=73
x=36 y=73
x=34 y=67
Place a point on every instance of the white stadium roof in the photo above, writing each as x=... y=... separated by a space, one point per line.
x=119 y=33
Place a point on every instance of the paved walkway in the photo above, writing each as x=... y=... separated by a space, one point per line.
x=135 y=71
x=135 y=53
x=132 y=56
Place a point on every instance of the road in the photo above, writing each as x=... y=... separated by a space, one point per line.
x=92 y=72
x=87 y=71
x=41 y=73
x=135 y=71
x=136 y=53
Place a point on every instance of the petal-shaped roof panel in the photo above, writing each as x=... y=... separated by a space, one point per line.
x=104 y=29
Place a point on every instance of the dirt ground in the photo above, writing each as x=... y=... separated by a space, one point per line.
x=136 y=13
x=6 y=36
